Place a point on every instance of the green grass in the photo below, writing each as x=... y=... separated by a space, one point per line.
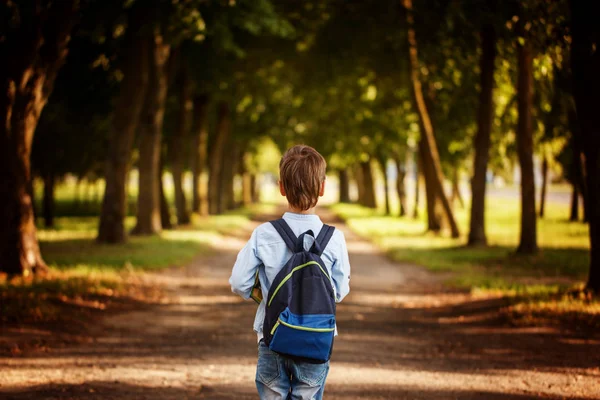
x=542 y=289
x=563 y=256
x=86 y=275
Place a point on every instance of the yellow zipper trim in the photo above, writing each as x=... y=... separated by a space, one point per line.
x=274 y=327
x=288 y=276
x=302 y=328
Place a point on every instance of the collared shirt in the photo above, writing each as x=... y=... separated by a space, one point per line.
x=267 y=252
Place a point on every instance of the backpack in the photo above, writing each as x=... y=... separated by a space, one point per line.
x=300 y=307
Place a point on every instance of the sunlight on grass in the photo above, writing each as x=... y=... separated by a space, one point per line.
x=542 y=289
x=71 y=245
x=564 y=245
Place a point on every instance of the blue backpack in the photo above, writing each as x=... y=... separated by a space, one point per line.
x=300 y=309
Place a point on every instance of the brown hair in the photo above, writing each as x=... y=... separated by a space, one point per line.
x=302 y=172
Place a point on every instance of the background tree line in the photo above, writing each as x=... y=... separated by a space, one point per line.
x=463 y=88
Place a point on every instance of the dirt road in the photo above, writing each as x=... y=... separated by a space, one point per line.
x=401 y=337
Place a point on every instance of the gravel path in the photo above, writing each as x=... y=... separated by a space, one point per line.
x=401 y=337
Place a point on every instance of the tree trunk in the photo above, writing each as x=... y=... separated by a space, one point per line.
x=386 y=190
x=226 y=196
x=544 y=186
x=165 y=214
x=255 y=192
x=125 y=121
x=574 y=204
x=401 y=174
x=48 y=209
x=32 y=51
x=368 y=185
x=177 y=147
x=528 y=238
x=246 y=182
x=199 y=155
x=456 y=195
x=216 y=158
x=585 y=63
x=485 y=114
x=434 y=219
x=344 y=185
x=431 y=157
x=151 y=125
x=417 y=178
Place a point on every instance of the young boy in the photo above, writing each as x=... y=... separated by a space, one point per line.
x=302 y=182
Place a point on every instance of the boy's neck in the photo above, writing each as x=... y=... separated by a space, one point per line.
x=295 y=210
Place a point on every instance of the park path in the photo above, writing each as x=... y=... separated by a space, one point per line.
x=401 y=337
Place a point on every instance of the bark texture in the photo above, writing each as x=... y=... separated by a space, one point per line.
x=431 y=156
x=216 y=158
x=544 y=186
x=32 y=52
x=400 y=176
x=344 y=185
x=528 y=237
x=386 y=190
x=125 y=121
x=177 y=146
x=366 y=173
x=150 y=128
x=585 y=63
x=477 y=236
x=434 y=219
x=199 y=156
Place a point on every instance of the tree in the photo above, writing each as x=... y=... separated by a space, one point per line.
x=125 y=120
x=199 y=155
x=528 y=236
x=585 y=64
x=430 y=154
x=150 y=127
x=217 y=153
x=33 y=47
x=482 y=139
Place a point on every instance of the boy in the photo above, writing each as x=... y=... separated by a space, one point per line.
x=302 y=182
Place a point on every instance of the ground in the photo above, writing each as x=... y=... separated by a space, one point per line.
x=402 y=336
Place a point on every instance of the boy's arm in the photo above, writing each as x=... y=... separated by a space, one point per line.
x=340 y=271
x=244 y=270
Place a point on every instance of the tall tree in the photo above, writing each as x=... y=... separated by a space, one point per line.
x=125 y=121
x=33 y=47
x=344 y=185
x=485 y=114
x=177 y=145
x=151 y=125
x=585 y=63
x=528 y=237
x=217 y=153
x=430 y=154
x=199 y=155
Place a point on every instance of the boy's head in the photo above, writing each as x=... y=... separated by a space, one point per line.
x=302 y=176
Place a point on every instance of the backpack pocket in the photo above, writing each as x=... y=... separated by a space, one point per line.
x=307 y=336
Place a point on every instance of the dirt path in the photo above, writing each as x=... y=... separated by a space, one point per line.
x=401 y=337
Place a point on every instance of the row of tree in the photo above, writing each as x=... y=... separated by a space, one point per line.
x=193 y=85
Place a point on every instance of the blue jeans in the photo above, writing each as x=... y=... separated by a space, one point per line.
x=281 y=378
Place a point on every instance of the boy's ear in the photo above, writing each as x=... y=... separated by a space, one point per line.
x=322 y=191
x=281 y=188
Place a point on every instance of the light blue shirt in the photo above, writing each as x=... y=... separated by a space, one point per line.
x=267 y=252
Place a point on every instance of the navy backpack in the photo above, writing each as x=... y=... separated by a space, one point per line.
x=300 y=310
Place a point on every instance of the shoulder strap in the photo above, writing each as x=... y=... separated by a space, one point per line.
x=285 y=232
x=324 y=236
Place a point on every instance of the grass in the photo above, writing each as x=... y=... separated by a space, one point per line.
x=542 y=287
x=87 y=275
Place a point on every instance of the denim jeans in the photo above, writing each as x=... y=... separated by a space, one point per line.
x=281 y=378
